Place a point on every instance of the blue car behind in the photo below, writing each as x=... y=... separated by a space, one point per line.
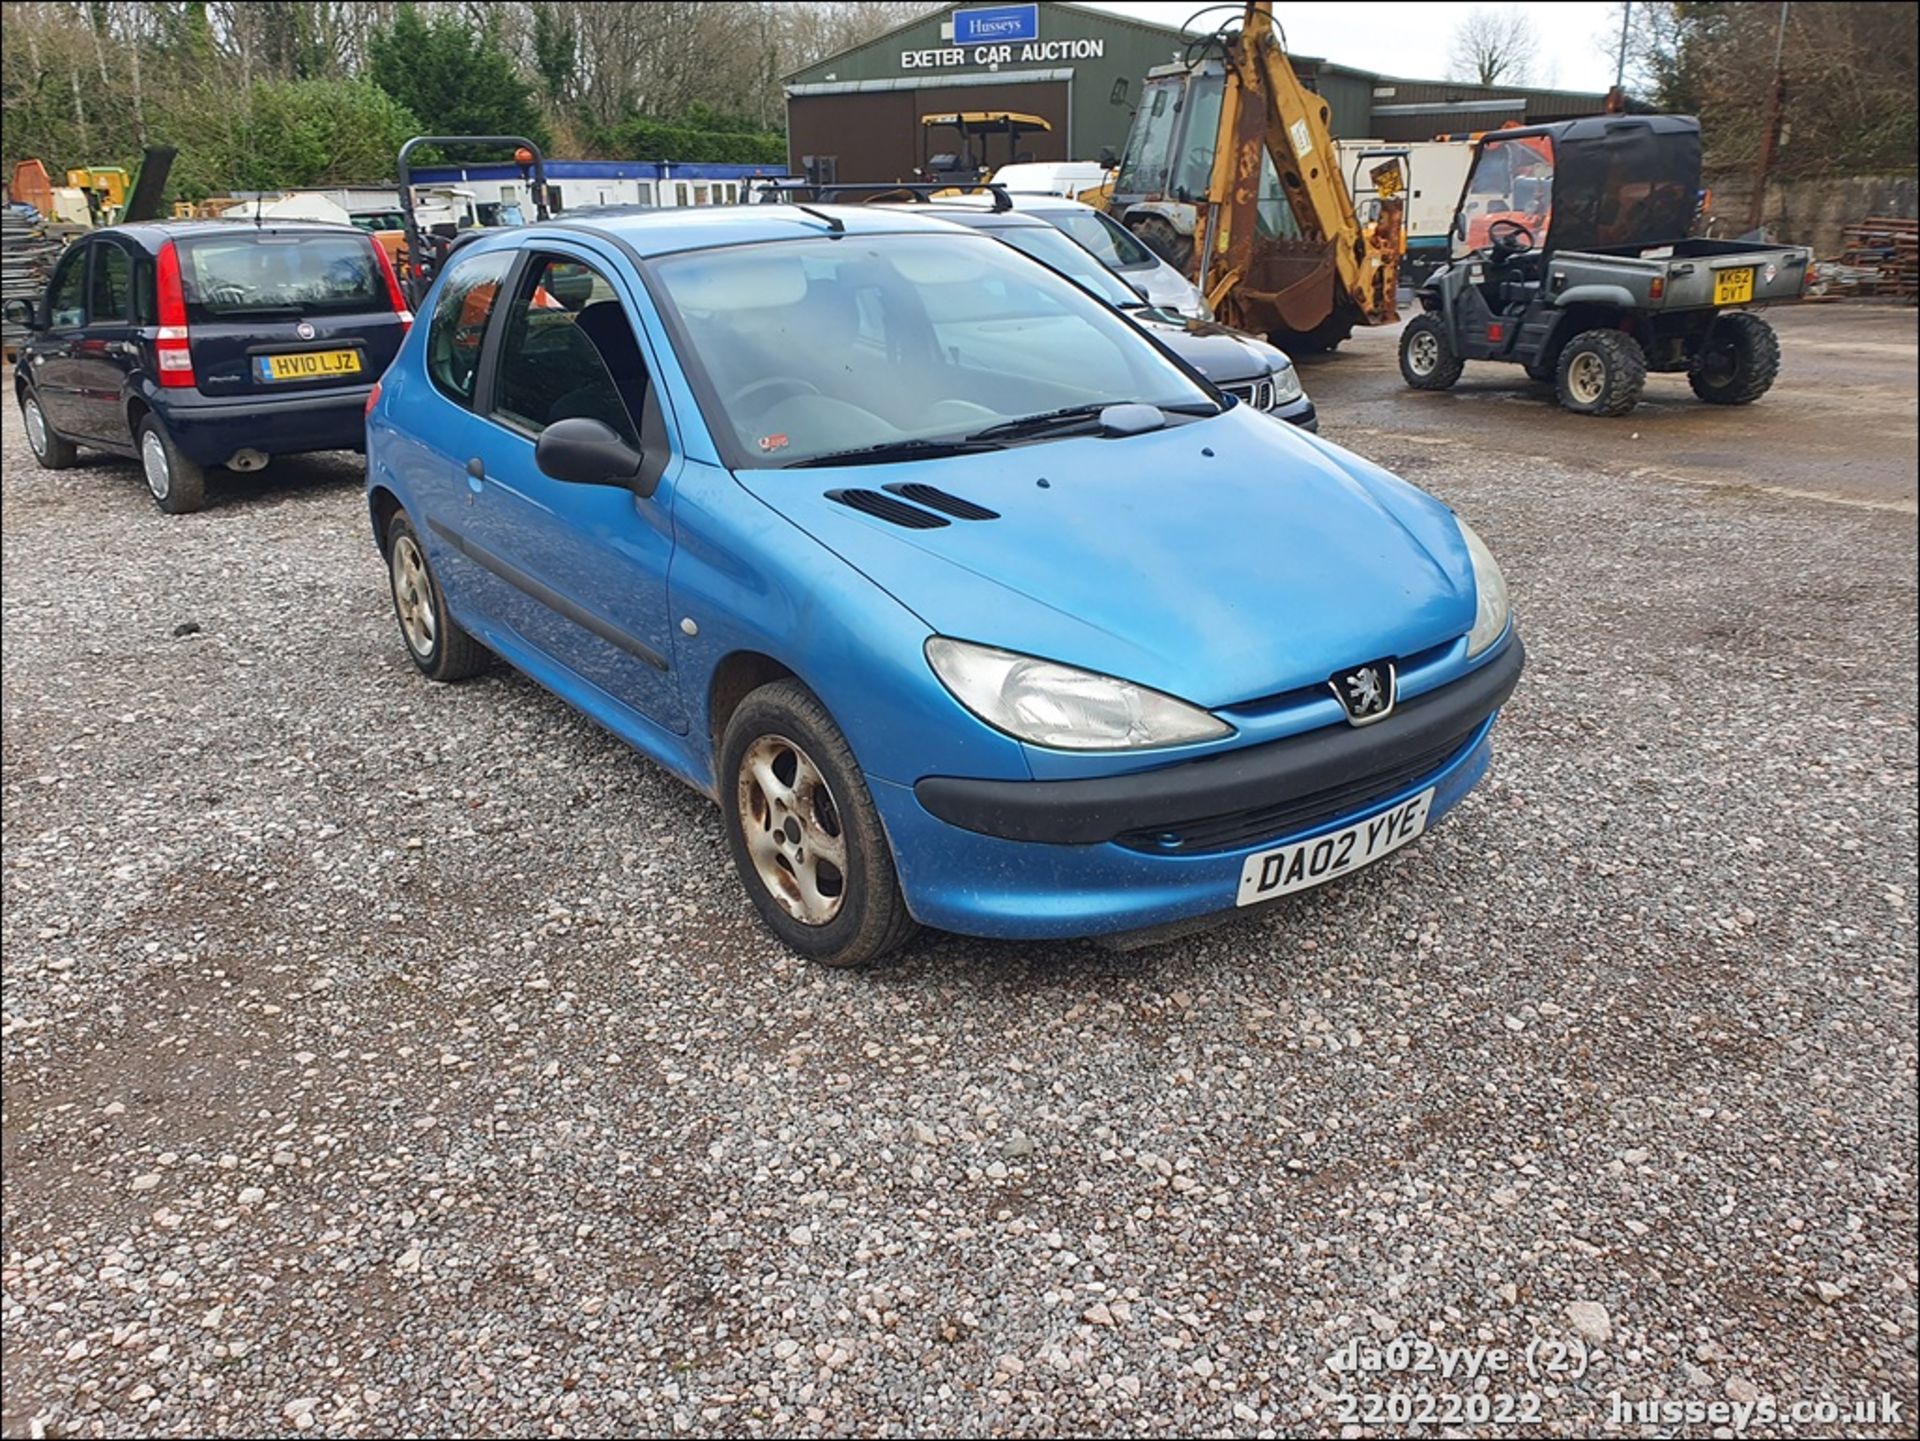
x=969 y=606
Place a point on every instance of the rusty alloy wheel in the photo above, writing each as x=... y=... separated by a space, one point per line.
x=792 y=829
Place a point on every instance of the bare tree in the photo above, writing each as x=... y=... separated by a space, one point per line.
x=1494 y=46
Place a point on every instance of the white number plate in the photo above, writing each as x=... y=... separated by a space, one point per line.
x=1286 y=869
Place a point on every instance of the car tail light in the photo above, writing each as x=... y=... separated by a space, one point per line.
x=373 y=397
x=174 y=358
x=393 y=287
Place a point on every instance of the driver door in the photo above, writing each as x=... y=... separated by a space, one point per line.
x=579 y=572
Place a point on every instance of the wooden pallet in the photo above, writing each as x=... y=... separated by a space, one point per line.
x=1885 y=252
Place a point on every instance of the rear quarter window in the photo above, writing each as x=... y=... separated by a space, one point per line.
x=459 y=322
x=233 y=277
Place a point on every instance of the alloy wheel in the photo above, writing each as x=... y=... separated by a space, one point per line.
x=793 y=831
x=1587 y=378
x=154 y=463
x=413 y=595
x=1423 y=353
x=36 y=429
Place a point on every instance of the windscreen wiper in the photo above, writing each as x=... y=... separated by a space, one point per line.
x=891 y=450
x=1074 y=417
x=1064 y=418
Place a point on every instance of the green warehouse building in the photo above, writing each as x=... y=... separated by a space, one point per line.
x=856 y=116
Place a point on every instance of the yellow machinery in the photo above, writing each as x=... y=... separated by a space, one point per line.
x=1230 y=173
x=106 y=187
x=971 y=126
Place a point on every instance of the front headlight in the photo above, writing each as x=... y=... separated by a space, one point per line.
x=1490 y=591
x=1056 y=705
x=1286 y=385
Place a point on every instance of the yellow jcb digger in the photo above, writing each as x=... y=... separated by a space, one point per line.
x=1230 y=173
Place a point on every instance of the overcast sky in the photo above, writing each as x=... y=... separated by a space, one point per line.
x=1577 y=39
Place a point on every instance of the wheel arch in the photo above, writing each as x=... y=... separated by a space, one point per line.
x=738 y=674
x=382 y=506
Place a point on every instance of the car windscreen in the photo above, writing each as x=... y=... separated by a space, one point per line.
x=1050 y=247
x=808 y=348
x=232 y=276
x=1108 y=241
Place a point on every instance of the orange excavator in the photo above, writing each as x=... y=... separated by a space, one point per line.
x=1230 y=173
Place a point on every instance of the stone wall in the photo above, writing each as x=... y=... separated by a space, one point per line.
x=1811 y=210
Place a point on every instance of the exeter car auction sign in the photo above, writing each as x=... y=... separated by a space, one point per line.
x=1000 y=35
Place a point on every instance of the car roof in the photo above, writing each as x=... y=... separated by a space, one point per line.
x=664 y=232
x=159 y=232
x=975 y=217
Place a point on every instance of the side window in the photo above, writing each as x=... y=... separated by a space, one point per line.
x=460 y=322
x=569 y=352
x=112 y=285
x=67 y=298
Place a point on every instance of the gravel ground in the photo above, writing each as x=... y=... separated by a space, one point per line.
x=382 y=1057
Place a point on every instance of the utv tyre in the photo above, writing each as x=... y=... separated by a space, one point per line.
x=53 y=452
x=1159 y=236
x=1738 y=362
x=804 y=834
x=434 y=640
x=1427 y=360
x=178 y=485
x=1601 y=372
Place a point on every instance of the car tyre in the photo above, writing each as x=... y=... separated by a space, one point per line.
x=434 y=640
x=1739 y=361
x=177 y=484
x=1427 y=358
x=1601 y=372
x=804 y=833
x=1159 y=236
x=53 y=452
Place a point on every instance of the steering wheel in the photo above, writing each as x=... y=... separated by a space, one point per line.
x=790 y=384
x=1509 y=237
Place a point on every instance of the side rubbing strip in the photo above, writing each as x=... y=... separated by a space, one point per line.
x=548 y=596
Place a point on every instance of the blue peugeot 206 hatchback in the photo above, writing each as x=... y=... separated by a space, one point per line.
x=970 y=605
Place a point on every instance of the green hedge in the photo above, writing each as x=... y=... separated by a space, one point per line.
x=643 y=137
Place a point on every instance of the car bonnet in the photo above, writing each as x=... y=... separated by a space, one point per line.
x=1222 y=561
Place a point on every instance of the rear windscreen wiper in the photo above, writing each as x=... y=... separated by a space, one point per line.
x=891 y=450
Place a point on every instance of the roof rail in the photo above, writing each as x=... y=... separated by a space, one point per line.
x=877 y=192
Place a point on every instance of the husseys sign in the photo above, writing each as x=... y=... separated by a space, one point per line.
x=1000 y=35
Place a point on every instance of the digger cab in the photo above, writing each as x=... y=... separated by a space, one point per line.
x=974 y=137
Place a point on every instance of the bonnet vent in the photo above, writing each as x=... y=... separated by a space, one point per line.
x=935 y=498
x=885 y=507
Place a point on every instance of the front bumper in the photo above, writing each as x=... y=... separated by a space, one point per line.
x=1105 y=856
x=209 y=431
x=1299 y=412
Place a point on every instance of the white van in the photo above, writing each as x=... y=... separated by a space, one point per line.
x=1050 y=177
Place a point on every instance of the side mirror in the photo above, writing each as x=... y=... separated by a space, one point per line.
x=22 y=312
x=588 y=452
